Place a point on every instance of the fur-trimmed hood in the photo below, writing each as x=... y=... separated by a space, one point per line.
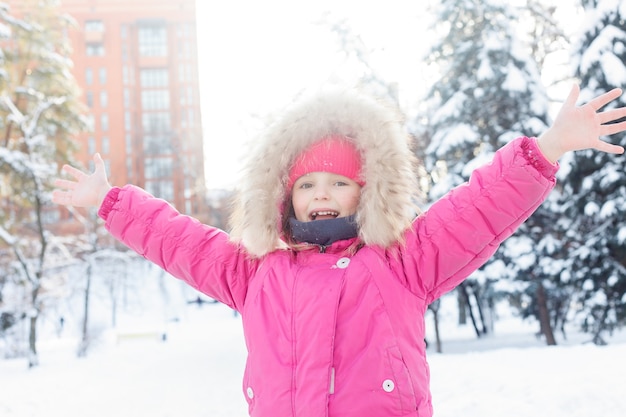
x=387 y=204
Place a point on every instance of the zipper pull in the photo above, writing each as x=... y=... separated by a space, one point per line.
x=322 y=249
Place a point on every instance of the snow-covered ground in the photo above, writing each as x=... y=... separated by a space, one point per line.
x=197 y=372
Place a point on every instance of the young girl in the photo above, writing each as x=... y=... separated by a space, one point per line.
x=327 y=263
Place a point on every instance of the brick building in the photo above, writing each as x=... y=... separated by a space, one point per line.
x=136 y=62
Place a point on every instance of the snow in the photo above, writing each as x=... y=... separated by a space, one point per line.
x=591 y=208
x=609 y=209
x=574 y=381
x=197 y=371
x=621 y=235
x=613 y=69
x=6 y=236
x=515 y=80
x=5 y=31
x=447 y=139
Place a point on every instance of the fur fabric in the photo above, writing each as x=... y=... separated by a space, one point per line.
x=387 y=205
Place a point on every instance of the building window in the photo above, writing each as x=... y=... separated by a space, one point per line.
x=191 y=118
x=91 y=145
x=158 y=168
x=156 y=122
x=163 y=189
x=95 y=49
x=154 y=77
x=89 y=97
x=129 y=143
x=91 y=122
x=155 y=100
x=89 y=76
x=50 y=216
x=103 y=75
x=157 y=144
x=94 y=26
x=104 y=122
x=127 y=121
x=104 y=99
x=152 y=40
x=106 y=145
x=126 y=98
x=125 y=75
x=182 y=96
x=183 y=118
x=190 y=96
x=185 y=73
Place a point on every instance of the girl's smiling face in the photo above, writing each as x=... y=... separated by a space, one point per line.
x=324 y=195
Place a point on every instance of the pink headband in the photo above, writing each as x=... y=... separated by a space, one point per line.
x=334 y=154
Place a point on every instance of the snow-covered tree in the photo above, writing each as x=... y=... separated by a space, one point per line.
x=596 y=182
x=489 y=92
x=39 y=113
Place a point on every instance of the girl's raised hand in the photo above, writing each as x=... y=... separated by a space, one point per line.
x=85 y=190
x=580 y=127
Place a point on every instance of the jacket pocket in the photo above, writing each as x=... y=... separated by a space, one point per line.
x=400 y=384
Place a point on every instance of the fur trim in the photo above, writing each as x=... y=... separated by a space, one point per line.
x=387 y=204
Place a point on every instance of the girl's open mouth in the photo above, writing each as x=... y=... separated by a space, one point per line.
x=324 y=215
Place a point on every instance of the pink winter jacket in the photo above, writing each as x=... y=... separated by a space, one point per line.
x=330 y=334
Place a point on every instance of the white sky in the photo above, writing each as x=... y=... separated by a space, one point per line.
x=255 y=56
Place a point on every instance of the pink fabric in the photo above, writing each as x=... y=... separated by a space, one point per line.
x=335 y=335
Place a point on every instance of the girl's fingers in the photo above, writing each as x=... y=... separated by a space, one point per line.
x=76 y=173
x=609 y=147
x=98 y=161
x=612 y=128
x=570 y=101
x=603 y=99
x=611 y=115
x=61 y=183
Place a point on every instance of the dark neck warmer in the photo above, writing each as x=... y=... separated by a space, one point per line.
x=324 y=232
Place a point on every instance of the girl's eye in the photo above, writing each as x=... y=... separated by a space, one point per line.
x=305 y=185
x=341 y=183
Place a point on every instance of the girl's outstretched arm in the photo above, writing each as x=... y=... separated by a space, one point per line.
x=577 y=128
x=85 y=190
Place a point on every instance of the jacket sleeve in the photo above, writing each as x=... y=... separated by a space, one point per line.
x=463 y=229
x=198 y=254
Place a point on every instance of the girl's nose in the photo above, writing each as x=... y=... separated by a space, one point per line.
x=321 y=192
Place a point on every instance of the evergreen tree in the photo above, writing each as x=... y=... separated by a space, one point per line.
x=490 y=91
x=39 y=113
x=596 y=182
